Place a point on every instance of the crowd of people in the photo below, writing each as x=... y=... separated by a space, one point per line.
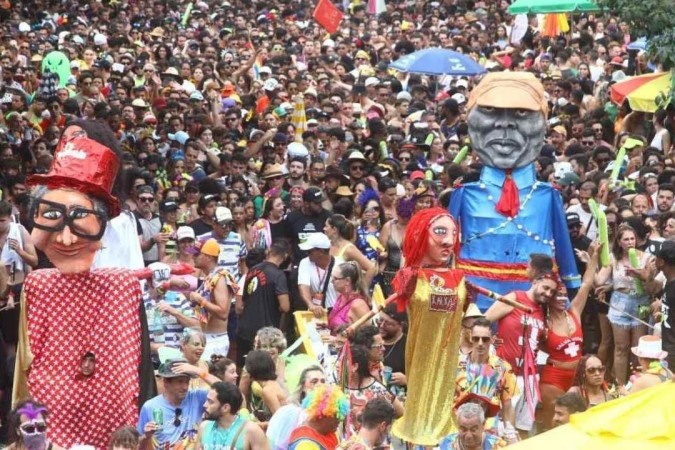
x=283 y=164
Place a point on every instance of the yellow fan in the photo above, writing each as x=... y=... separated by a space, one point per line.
x=375 y=244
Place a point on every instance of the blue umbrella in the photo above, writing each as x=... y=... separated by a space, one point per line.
x=640 y=44
x=438 y=61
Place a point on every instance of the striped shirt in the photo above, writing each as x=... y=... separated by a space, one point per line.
x=232 y=250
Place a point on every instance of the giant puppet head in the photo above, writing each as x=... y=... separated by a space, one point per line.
x=431 y=239
x=507 y=119
x=73 y=202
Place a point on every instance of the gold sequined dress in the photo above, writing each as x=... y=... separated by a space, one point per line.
x=435 y=313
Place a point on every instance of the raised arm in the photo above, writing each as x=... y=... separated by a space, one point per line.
x=579 y=301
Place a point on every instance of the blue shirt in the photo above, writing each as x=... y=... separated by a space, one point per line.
x=488 y=236
x=192 y=408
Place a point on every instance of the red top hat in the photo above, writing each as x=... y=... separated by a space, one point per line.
x=84 y=165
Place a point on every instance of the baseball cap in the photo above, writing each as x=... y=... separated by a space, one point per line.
x=403 y=95
x=168 y=206
x=270 y=84
x=181 y=137
x=205 y=200
x=315 y=240
x=166 y=370
x=185 y=233
x=568 y=179
x=145 y=189
x=459 y=98
x=573 y=219
x=313 y=194
x=196 y=95
x=223 y=215
x=210 y=248
x=560 y=130
x=666 y=252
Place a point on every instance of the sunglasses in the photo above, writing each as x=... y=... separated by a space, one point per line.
x=358 y=168
x=477 y=339
x=32 y=428
x=176 y=417
x=592 y=370
x=146 y=199
x=589 y=143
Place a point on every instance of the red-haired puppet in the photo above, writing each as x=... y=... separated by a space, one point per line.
x=435 y=296
x=72 y=313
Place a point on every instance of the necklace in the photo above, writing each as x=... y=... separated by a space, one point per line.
x=393 y=346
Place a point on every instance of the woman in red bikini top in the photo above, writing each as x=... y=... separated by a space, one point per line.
x=564 y=338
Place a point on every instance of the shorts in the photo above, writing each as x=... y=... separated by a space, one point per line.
x=525 y=417
x=627 y=303
x=216 y=344
x=555 y=376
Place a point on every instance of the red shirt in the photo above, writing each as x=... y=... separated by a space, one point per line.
x=517 y=325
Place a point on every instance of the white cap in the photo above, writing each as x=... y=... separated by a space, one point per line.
x=462 y=83
x=372 y=81
x=100 y=39
x=265 y=69
x=74 y=64
x=459 y=98
x=315 y=240
x=223 y=214
x=404 y=95
x=185 y=233
x=270 y=84
x=24 y=27
x=328 y=43
x=296 y=149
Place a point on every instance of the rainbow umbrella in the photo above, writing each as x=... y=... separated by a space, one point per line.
x=642 y=91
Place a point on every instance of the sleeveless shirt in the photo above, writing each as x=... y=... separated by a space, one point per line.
x=517 y=326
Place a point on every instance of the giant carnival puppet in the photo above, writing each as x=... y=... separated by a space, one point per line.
x=507 y=214
x=80 y=332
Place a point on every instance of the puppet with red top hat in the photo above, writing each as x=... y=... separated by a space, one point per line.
x=71 y=313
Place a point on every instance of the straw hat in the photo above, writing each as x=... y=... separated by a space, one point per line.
x=273 y=171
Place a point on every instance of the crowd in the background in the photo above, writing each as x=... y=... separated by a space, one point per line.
x=284 y=164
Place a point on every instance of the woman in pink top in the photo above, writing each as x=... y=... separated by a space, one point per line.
x=352 y=301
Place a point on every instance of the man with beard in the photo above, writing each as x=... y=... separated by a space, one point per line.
x=223 y=427
x=520 y=333
x=579 y=241
x=392 y=329
x=508 y=214
x=296 y=172
x=664 y=198
x=376 y=420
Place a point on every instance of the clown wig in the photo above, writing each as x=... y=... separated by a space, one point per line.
x=324 y=401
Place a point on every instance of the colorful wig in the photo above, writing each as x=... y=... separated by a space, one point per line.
x=326 y=400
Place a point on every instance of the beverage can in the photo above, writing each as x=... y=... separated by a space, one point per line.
x=158 y=416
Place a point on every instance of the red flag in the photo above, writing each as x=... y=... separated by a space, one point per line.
x=328 y=16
